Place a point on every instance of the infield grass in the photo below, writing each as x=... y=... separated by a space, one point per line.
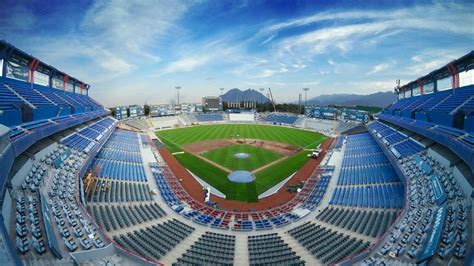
x=257 y=157
x=265 y=179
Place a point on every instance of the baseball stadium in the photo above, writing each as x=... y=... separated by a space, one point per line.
x=103 y=162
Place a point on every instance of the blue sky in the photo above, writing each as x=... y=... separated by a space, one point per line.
x=132 y=52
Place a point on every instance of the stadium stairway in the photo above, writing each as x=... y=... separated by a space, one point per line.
x=298 y=248
x=173 y=255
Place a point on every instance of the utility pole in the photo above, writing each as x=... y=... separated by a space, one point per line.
x=177 y=89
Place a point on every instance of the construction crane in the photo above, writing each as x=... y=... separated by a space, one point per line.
x=273 y=102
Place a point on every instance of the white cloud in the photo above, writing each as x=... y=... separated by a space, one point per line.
x=268 y=39
x=185 y=64
x=428 y=60
x=378 y=68
x=448 y=14
x=362 y=29
x=131 y=26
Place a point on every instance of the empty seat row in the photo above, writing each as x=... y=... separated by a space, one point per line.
x=120 y=155
x=271 y=250
x=367 y=174
x=375 y=196
x=119 y=191
x=155 y=241
x=210 y=249
x=326 y=245
x=367 y=222
x=119 y=170
x=113 y=217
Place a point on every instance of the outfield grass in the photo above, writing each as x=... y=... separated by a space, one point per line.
x=257 y=157
x=216 y=177
x=182 y=136
x=272 y=175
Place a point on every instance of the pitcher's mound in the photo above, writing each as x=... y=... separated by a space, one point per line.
x=241 y=155
x=241 y=177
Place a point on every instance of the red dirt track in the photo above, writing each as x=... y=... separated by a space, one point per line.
x=195 y=189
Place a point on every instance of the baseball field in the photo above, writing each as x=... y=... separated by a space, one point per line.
x=209 y=151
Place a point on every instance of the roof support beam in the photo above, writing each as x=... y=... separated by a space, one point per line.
x=454 y=76
x=421 y=84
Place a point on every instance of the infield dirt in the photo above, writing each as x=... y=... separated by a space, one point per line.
x=209 y=145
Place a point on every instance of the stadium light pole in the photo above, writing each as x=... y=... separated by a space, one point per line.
x=222 y=94
x=177 y=89
x=261 y=98
x=305 y=95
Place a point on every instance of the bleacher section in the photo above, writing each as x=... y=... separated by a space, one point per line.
x=434 y=226
x=400 y=144
x=445 y=117
x=137 y=123
x=177 y=198
x=327 y=245
x=459 y=141
x=278 y=119
x=113 y=217
x=119 y=191
x=271 y=250
x=366 y=178
x=210 y=249
x=437 y=107
x=52 y=221
x=23 y=102
x=85 y=139
x=366 y=222
x=120 y=158
x=375 y=196
x=209 y=117
x=155 y=241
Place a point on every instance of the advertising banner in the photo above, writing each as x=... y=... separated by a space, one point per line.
x=57 y=83
x=41 y=79
x=16 y=71
x=69 y=87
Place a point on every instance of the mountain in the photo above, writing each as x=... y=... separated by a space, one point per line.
x=379 y=99
x=236 y=95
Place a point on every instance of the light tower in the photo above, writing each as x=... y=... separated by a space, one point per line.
x=305 y=95
x=261 y=98
x=177 y=90
x=222 y=100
